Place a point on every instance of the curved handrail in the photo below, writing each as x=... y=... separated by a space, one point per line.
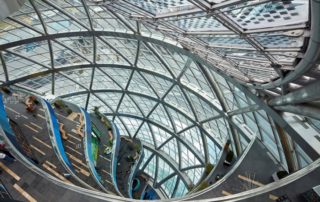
x=224 y=178
x=134 y=169
x=88 y=150
x=114 y=156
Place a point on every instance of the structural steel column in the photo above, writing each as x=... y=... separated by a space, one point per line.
x=288 y=152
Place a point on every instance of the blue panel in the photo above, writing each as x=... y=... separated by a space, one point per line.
x=88 y=148
x=4 y=122
x=57 y=135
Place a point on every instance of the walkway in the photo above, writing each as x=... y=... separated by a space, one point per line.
x=34 y=128
x=293 y=191
x=103 y=160
x=126 y=159
x=73 y=142
x=255 y=170
x=25 y=185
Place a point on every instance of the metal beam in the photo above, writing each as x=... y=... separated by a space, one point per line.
x=250 y=108
x=155 y=52
x=26 y=25
x=185 y=178
x=4 y=66
x=157 y=169
x=184 y=69
x=182 y=170
x=281 y=122
x=196 y=121
x=94 y=46
x=44 y=26
x=215 y=87
x=175 y=188
x=306 y=94
x=122 y=20
x=249 y=31
x=136 y=60
x=122 y=96
x=180 y=139
x=67 y=14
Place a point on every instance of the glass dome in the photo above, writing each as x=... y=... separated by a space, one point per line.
x=165 y=72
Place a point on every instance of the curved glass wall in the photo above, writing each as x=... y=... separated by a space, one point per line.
x=144 y=81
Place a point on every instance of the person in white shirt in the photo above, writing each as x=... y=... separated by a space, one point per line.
x=5 y=157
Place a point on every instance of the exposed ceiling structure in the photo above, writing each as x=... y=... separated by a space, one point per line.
x=152 y=67
x=256 y=42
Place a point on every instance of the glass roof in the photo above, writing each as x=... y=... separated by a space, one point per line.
x=129 y=58
x=254 y=41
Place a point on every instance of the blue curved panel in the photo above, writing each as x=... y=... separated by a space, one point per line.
x=4 y=122
x=88 y=147
x=55 y=136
